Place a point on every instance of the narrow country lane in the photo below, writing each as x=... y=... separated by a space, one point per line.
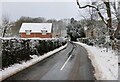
x=72 y=63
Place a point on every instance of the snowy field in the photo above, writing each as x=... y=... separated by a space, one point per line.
x=105 y=63
x=19 y=67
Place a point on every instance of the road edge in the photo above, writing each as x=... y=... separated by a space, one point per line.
x=3 y=77
x=98 y=73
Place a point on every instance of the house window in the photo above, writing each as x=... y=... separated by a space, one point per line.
x=43 y=32
x=28 y=32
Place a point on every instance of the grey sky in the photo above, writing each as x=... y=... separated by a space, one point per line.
x=57 y=10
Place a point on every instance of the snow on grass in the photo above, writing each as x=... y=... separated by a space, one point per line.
x=28 y=38
x=105 y=63
x=19 y=67
x=62 y=39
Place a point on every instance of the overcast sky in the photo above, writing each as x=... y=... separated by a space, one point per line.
x=57 y=10
x=50 y=10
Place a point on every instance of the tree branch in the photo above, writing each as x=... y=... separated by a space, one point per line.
x=94 y=8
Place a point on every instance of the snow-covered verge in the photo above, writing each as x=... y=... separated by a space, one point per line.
x=7 y=72
x=105 y=63
x=32 y=38
x=27 y=38
x=119 y=73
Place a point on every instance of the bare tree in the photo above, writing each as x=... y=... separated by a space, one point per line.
x=117 y=14
x=107 y=22
x=92 y=6
x=5 y=24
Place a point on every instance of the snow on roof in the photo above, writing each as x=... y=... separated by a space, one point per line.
x=36 y=27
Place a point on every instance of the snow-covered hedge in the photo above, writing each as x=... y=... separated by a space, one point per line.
x=18 y=50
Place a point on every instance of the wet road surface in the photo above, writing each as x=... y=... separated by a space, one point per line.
x=72 y=63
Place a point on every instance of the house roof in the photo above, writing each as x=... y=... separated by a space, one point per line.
x=36 y=27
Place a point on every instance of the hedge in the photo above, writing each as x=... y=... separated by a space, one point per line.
x=18 y=50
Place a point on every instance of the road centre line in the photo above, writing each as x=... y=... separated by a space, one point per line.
x=66 y=62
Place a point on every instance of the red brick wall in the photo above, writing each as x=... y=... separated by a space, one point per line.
x=36 y=35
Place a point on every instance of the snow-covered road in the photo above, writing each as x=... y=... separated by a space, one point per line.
x=105 y=63
x=19 y=67
x=72 y=63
